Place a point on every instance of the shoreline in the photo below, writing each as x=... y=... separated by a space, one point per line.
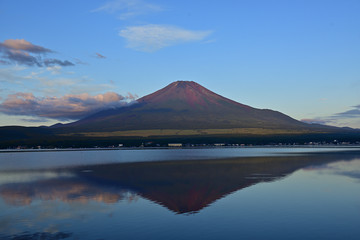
x=173 y=148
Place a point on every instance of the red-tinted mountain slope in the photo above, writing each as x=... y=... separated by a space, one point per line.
x=184 y=105
x=187 y=95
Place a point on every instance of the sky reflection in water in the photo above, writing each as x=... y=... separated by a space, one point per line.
x=289 y=196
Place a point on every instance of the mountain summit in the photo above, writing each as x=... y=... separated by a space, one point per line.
x=185 y=105
x=187 y=95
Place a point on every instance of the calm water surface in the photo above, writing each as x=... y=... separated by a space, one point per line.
x=235 y=193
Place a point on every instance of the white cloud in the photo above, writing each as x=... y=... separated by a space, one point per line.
x=54 y=69
x=152 y=37
x=8 y=75
x=128 y=8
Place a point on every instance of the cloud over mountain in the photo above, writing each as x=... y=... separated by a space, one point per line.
x=348 y=118
x=152 y=37
x=67 y=107
x=315 y=121
x=128 y=8
x=20 y=51
x=353 y=113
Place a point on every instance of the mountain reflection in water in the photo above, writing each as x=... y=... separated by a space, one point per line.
x=180 y=186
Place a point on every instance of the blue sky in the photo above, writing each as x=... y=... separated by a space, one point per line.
x=62 y=60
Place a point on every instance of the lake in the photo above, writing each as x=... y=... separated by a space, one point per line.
x=217 y=193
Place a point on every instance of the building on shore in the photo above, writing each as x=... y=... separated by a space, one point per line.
x=174 y=144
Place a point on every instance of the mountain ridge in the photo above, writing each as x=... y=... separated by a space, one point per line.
x=185 y=105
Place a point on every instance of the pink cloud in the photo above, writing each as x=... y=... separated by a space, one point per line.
x=22 y=44
x=20 y=51
x=132 y=96
x=67 y=107
x=98 y=55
